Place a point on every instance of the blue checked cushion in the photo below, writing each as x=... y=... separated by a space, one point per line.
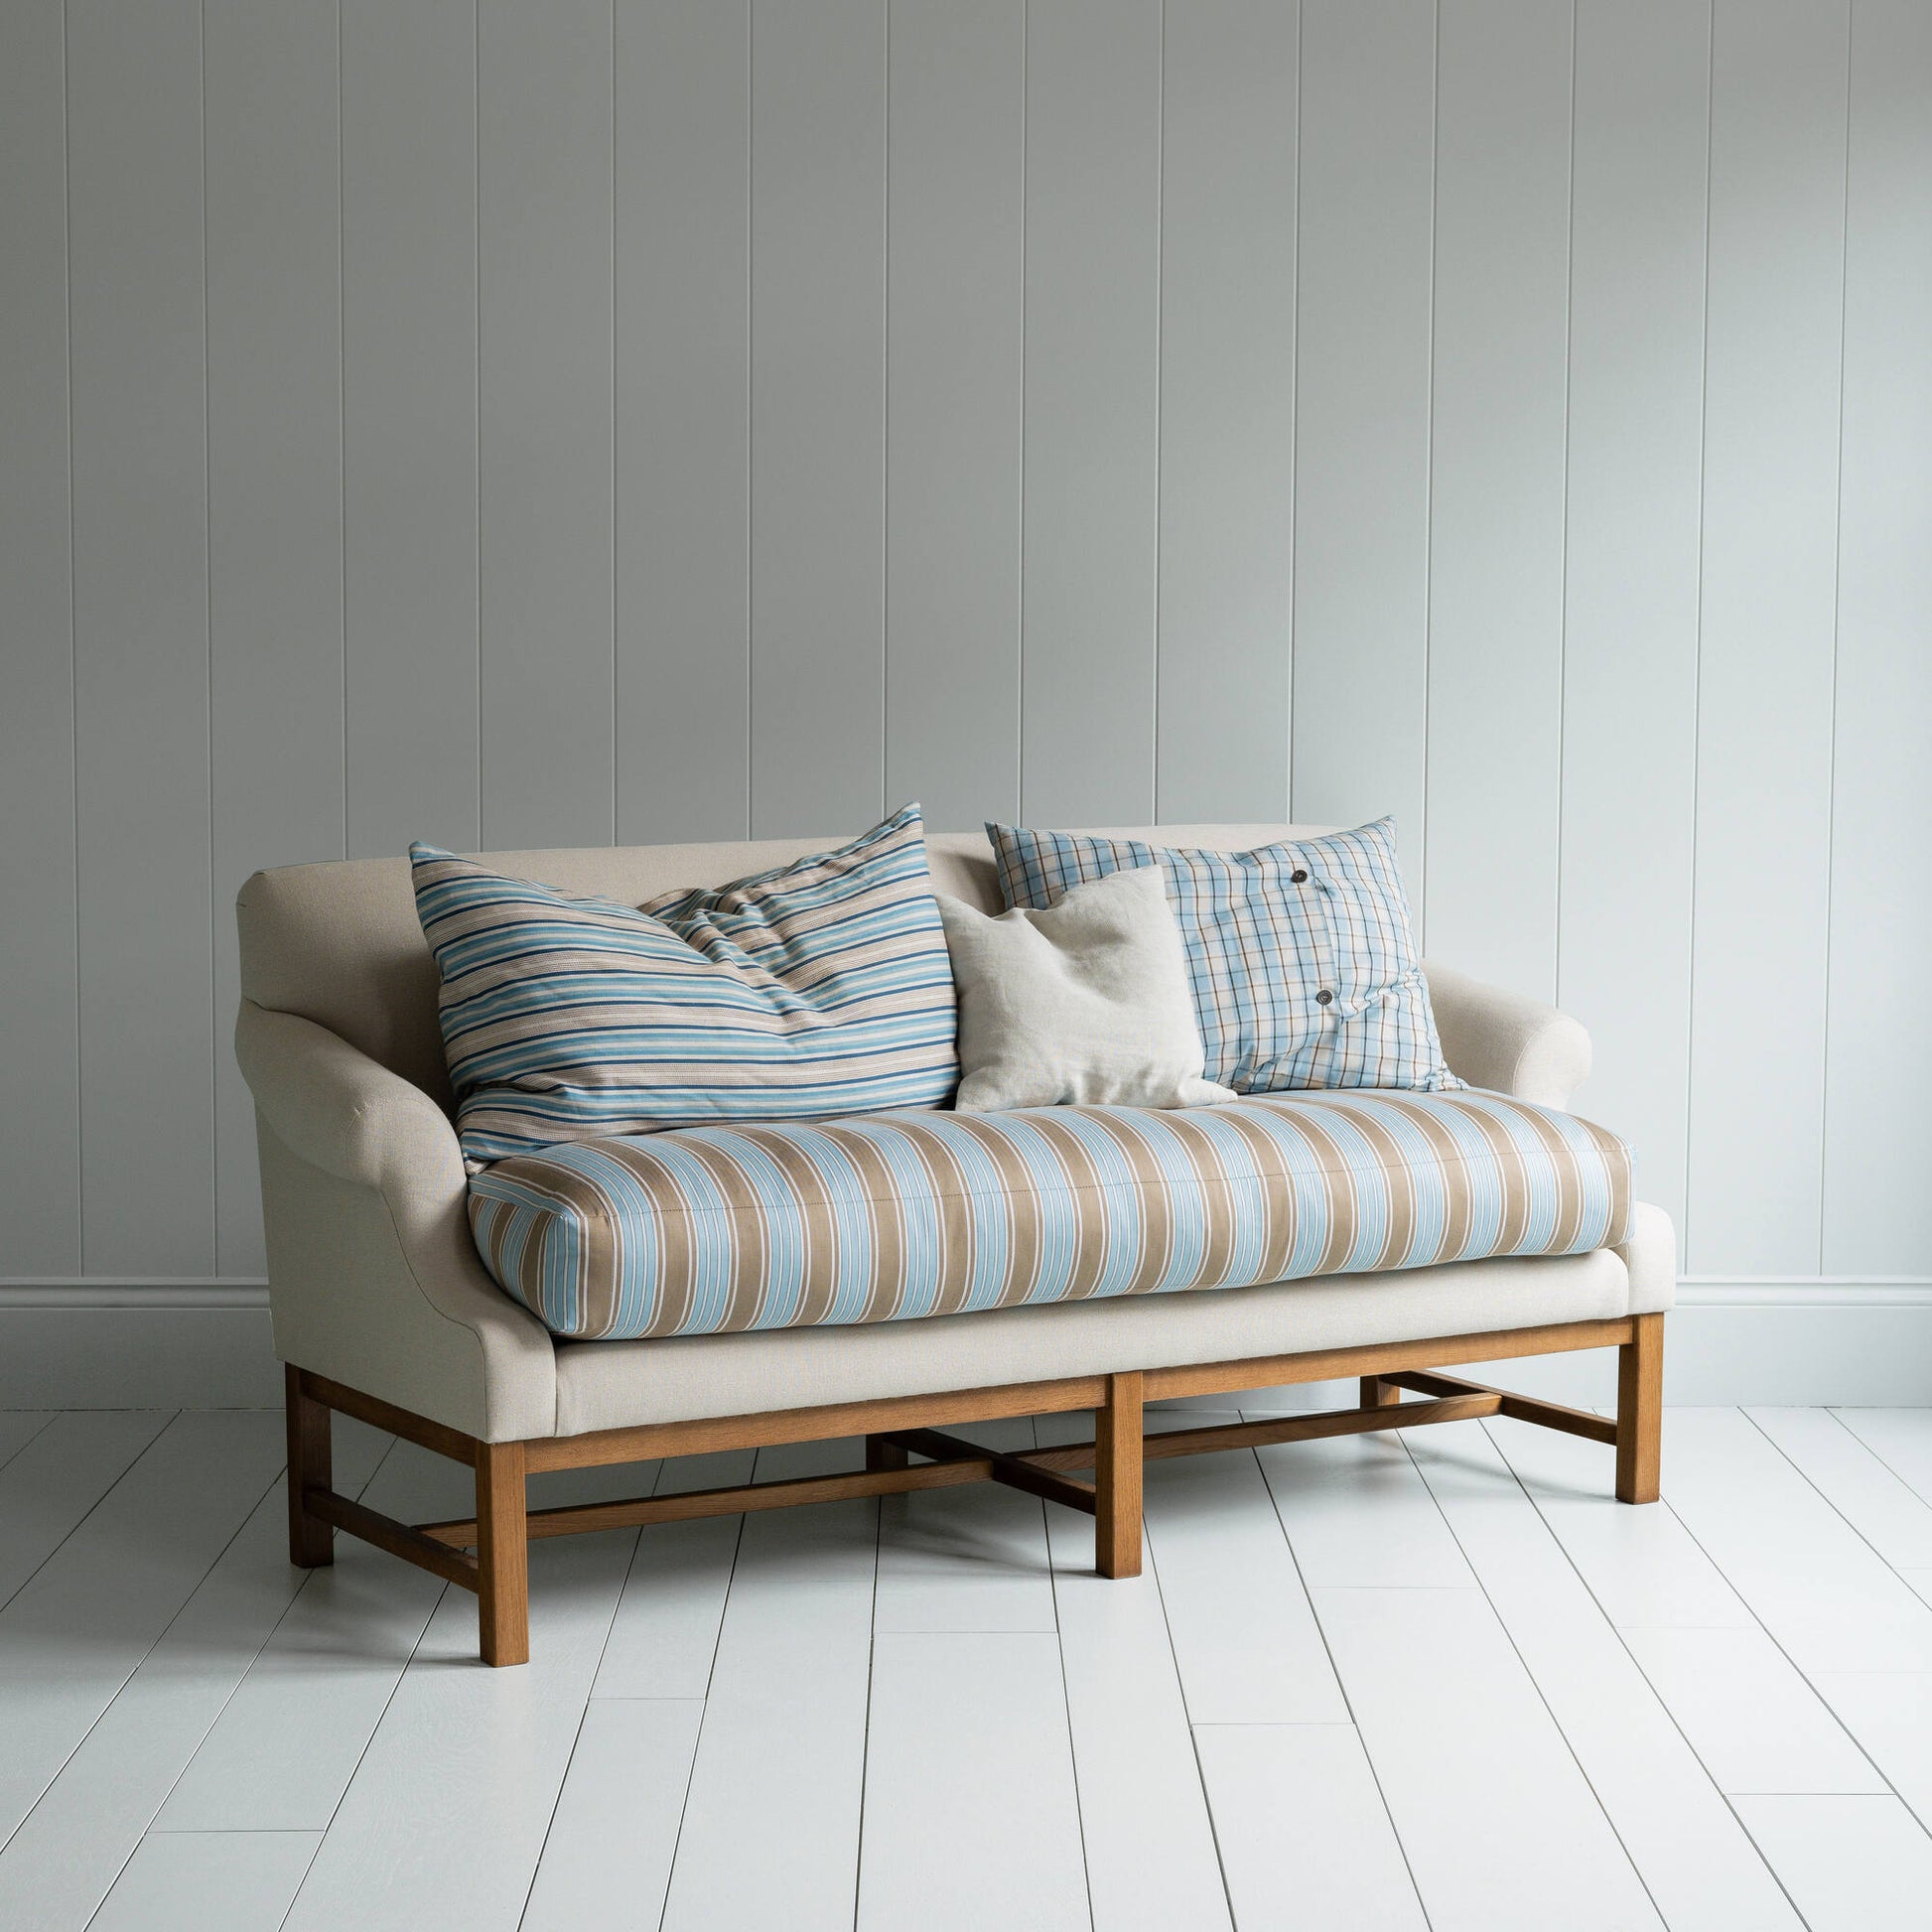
x=902 y=1215
x=1303 y=964
x=817 y=989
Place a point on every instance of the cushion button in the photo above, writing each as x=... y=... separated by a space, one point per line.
x=1298 y=877
x=1324 y=998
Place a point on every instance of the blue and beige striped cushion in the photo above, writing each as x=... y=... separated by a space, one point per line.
x=900 y=1215
x=1304 y=968
x=819 y=989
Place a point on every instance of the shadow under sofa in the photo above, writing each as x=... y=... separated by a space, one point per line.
x=383 y=1308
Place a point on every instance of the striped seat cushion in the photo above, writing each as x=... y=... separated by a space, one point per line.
x=818 y=990
x=899 y=1215
x=1305 y=970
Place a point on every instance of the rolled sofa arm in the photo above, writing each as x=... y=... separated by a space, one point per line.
x=373 y=1279
x=1506 y=1041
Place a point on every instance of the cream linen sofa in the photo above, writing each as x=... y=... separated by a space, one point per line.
x=383 y=1308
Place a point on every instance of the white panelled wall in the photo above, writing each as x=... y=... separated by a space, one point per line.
x=520 y=424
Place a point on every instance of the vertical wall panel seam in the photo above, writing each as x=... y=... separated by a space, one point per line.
x=73 y=675
x=1563 y=565
x=1160 y=339
x=886 y=773
x=1019 y=615
x=342 y=399
x=207 y=633
x=1293 y=421
x=615 y=765
x=1838 y=586
x=1697 y=665
x=475 y=427
x=751 y=398
x=1429 y=450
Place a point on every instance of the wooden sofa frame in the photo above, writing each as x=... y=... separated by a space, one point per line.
x=902 y=1426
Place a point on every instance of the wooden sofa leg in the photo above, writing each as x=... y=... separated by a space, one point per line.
x=311 y=1543
x=1117 y=1478
x=502 y=1554
x=1640 y=1411
x=882 y=1454
x=1378 y=1394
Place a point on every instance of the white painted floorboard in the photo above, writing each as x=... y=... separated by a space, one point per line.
x=607 y=1859
x=1429 y=1683
x=666 y=1629
x=1502 y=1829
x=283 y=1753
x=1891 y=1717
x=445 y=1818
x=1305 y=1838
x=1880 y=1505
x=1694 y=1859
x=17 y=1428
x=980 y=1566
x=58 y=1475
x=79 y=1629
x=1245 y=1638
x=1816 y=1586
x=1851 y=1865
x=949 y=1845
x=1758 y=1727
x=67 y=1855
x=783 y=1739
x=191 y=1881
x=1152 y=1862
x=1901 y=1439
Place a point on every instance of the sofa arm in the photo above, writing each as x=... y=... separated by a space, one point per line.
x=373 y=1278
x=342 y=1111
x=1506 y=1041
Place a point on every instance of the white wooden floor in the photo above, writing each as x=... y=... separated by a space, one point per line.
x=1441 y=1682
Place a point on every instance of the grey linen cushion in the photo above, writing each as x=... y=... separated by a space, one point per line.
x=1086 y=1003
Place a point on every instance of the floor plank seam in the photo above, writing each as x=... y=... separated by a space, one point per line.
x=577 y=1739
x=1530 y=1677
x=1804 y=1676
x=711 y=1674
x=174 y=1415
x=1838 y=1416
x=100 y=1717
x=1347 y=1702
x=1663 y=1705
x=148 y=1830
x=1066 y=1711
x=349 y=1783
x=865 y=1750
x=27 y=1441
x=1800 y=1469
x=288 y=1611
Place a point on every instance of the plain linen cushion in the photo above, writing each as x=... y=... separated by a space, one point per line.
x=818 y=990
x=1087 y=1001
x=718 y=1229
x=1305 y=967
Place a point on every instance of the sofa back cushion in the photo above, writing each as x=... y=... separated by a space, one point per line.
x=339 y=942
x=818 y=990
x=1305 y=967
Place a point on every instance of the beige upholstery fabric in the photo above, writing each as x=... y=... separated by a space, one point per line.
x=616 y=1384
x=372 y=1277
x=1507 y=1042
x=375 y=1281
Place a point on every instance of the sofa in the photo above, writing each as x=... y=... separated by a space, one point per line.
x=383 y=1308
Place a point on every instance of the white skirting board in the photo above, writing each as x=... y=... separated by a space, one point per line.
x=99 y=1344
